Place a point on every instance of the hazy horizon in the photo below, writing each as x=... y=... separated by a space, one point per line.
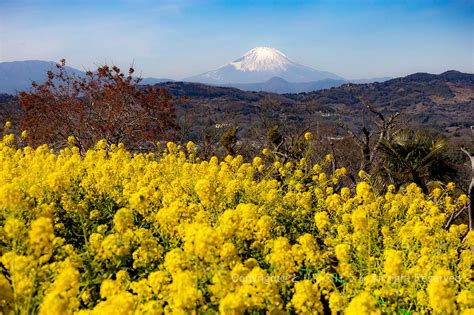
x=177 y=39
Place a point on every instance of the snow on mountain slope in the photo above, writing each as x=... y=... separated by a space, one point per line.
x=262 y=59
x=259 y=65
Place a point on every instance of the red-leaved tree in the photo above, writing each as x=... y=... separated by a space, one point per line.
x=105 y=104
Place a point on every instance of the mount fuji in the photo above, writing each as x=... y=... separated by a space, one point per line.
x=261 y=64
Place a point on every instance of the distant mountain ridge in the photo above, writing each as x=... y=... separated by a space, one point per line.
x=444 y=102
x=281 y=86
x=153 y=81
x=393 y=88
x=371 y=80
x=16 y=76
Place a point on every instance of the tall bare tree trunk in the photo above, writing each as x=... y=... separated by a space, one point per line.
x=471 y=193
x=471 y=188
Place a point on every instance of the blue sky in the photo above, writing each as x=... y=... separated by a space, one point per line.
x=175 y=39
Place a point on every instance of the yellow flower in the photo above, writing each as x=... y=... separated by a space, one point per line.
x=123 y=301
x=13 y=228
x=343 y=252
x=158 y=280
x=363 y=190
x=190 y=146
x=229 y=236
x=109 y=288
x=450 y=186
x=308 y=136
x=281 y=257
x=257 y=161
x=202 y=242
x=336 y=302
x=123 y=219
x=101 y=145
x=470 y=238
x=465 y=299
x=345 y=193
x=184 y=292
x=232 y=304
x=86 y=297
x=41 y=236
x=94 y=214
x=362 y=304
x=306 y=299
x=8 y=139
x=393 y=262
x=360 y=219
x=436 y=192
x=322 y=221
x=24 y=134
x=463 y=199
x=441 y=293
x=7 y=298
x=61 y=297
x=206 y=192
x=71 y=140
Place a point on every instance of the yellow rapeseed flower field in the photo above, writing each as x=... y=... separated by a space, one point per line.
x=113 y=232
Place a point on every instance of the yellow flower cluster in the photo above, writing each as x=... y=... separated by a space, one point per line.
x=113 y=232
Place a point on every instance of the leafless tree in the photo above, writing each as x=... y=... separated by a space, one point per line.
x=369 y=139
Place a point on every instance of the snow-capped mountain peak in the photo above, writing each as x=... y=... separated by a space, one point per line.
x=262 y=59
x=259 y=65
